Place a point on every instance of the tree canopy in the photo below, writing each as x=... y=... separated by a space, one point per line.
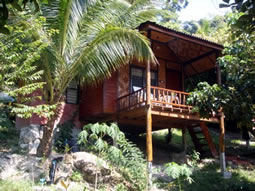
x=19 y=74
x=246 y=22
x=92 y=39
x=236 y=94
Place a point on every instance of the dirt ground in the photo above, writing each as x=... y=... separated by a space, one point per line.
x=165 y=153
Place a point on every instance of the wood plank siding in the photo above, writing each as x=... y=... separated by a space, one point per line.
x=110 y=94
x=91 y=101
x=99 y=100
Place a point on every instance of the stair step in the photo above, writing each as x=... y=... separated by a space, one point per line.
x=198 y=132
x=201 y=138
x=203 y=145
x=206 y=140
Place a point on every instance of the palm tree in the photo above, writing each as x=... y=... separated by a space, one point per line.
x=90 y=39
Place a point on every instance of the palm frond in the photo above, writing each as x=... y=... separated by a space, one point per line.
x=95 y=12
x=128 y=16
x=99 y=15
x=64 y=16
x=112 y=48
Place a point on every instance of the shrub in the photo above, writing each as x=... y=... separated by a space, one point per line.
x=8 y=133
x=76 y=176
x=109 y=142
x=179 y=172
x=65 y=135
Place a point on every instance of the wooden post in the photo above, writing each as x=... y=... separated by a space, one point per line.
x=183 y=77
x=222 y=148
x=222 y=133
x=149 y=124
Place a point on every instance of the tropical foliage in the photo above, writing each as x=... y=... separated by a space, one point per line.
x=236 y=95
x=214 y=29
x=11 y=7
x=109 y=142
x=168 y=14
x=19 y=74
x=92 y=39
x=246 y=22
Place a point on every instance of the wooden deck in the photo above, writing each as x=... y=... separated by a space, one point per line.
x=169 y=110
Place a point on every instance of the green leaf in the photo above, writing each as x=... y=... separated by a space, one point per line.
x=246 y=18
x=16 y=5
x=4 y=30
x=37 y=7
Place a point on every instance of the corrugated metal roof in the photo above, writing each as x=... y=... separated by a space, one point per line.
x=181 y=33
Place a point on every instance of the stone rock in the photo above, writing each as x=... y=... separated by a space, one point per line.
x=33 y=147
x=89 y=165
x=23 y=146
x=28 y=167
x=20 y=167
x=30 y=133
x=64 y=169
x=29 y=139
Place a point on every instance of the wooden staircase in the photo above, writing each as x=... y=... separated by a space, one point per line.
x=201 y=139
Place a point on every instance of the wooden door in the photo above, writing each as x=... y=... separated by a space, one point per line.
x=173 y=80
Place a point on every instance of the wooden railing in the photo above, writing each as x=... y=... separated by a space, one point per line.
x=167 y=98
x=160 y=97
x=132 y=100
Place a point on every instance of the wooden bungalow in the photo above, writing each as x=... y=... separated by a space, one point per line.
x=140 y=105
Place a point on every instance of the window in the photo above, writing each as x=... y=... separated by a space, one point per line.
x=72 y=92
x=138 y=78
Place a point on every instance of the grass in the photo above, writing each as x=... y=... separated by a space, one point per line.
x=161 y=136
x=6 y=185
x=208 y=177
x=234 y=146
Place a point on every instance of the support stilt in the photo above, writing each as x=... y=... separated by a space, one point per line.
x=222 y=148
x=184 y=140
x=149 y=169
x=149 y=125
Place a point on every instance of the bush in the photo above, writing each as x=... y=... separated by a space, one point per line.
x=65 y=135
x=109 y=142
x=76 y=176
x=8 y=133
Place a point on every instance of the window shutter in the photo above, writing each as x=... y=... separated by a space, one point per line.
x=72 y=92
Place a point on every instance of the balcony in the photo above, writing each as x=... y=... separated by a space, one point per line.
x=161 y=98
x=168 y=108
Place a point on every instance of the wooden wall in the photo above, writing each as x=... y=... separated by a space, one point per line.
x=99 y=100
x=110 y=94
x=162 y=74
x=124 y=76
x=123 y=81
x=91 y=101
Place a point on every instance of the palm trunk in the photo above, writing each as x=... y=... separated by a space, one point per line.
x=45 y=146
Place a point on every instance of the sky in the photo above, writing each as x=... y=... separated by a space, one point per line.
x=198 y=9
